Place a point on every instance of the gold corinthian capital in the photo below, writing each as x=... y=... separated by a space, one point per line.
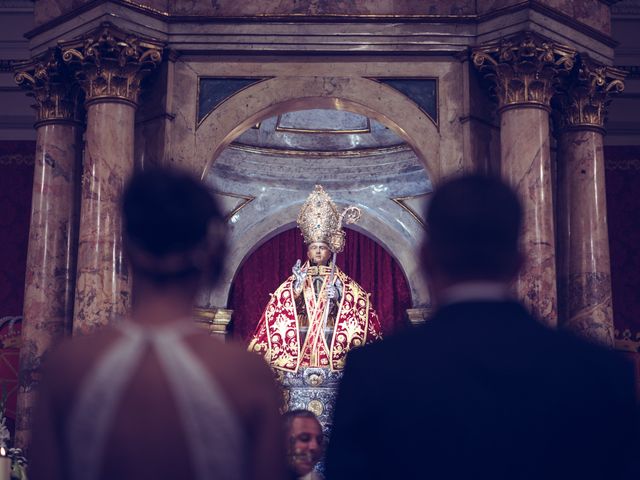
x=585 y=95
x=524 y=70
x=53 y=87
x=110 y=63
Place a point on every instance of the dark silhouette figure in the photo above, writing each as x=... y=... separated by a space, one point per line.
x=482 y=390
x=154 y=396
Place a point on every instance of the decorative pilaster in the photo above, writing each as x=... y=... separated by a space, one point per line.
x=524 y=72
x=215 y=320
x=110 y=65
x=584 y=280
x=51 y=259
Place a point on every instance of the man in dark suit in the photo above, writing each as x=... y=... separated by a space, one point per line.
x=482 y=390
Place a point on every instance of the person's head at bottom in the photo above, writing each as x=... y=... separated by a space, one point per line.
x=304 y=440
x=174 y=237
x=474 y=226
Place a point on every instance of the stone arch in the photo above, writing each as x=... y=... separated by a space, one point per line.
x=284 y=94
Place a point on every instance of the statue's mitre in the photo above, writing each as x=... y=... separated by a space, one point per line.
x=320 y=221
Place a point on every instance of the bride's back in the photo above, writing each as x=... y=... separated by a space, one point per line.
x=155 y=396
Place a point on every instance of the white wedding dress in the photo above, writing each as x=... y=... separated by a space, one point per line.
x=211 y=428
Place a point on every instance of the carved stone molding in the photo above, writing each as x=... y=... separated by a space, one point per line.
x=418 y=316
x=586 y=93
x=524 y=70
x=53 y=87
x=110 y=64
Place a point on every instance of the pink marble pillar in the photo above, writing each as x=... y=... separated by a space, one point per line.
x=525 y=163
x=524 y=72
x=103 y=283
x=583 y=239
x=585 y=271
x=51 y=259
x=110 y=65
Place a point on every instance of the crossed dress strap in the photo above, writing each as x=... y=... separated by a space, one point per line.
x=212 y=430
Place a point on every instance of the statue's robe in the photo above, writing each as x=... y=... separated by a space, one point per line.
x=278 y=334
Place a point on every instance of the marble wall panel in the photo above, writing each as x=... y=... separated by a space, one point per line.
x=480 y=125
x=593 y=13
x=451 y=107
x=46 y=10
x=323 y=7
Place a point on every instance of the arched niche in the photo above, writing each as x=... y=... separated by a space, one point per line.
x=279 y=95
x=283 y=94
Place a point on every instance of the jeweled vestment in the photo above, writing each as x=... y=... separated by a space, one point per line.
x=279 y=337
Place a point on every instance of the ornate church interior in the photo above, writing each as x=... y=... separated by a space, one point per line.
x=378 y=102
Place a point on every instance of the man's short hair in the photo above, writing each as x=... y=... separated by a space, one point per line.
x=291 y=415
x=473 y=227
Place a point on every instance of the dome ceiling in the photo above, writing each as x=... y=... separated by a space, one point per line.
x=320 y=130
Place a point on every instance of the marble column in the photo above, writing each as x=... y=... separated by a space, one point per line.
x=524 y=72
x=110 y=65
x=51 y=260
x=584 y=277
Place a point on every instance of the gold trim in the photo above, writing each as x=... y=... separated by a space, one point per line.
x=585 y=96
x=367 y=129
x=360 y=152
x=147 y=8
x=524 y=69
x=247 y=200
x=400 y=201
x=217 y=105
x=111 y=63
x=52 y=85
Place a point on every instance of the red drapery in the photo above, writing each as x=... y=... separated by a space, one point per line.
x=362 y=259
x=16 y=183
x=622 y=169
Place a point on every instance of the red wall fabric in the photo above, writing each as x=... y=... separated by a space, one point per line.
x=622 y=173
x=16 y=182
x=363 y=260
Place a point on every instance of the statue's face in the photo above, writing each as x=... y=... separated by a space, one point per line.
x=305 y=444
x=319 y=253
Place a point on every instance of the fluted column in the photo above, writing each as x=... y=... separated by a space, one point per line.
x=524 y=72
x=110 y=66
x=51 y=259
x=584 y=277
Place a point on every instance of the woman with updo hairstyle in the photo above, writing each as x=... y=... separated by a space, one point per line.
x=154 y=396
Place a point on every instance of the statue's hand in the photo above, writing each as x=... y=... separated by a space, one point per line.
x=299 y=273
x=332 y=292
